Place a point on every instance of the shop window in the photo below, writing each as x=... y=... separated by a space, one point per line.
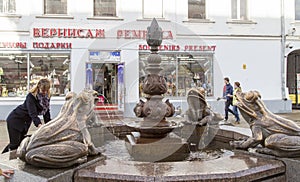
x=14 y=73
x=196 y=9
x=57 y=7
x=297 y=9
x=105 y=8
x=152 y=8
x=182 y=72
x=8 y=6
x=239 y=9
x=56 y=67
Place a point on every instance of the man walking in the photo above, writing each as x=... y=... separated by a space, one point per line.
x=227 y=93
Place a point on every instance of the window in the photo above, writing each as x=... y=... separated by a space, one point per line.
x=54 y=66
x=182 y=71
x=57 y=7
x=14 y=73
x=105 y=8
x=152 y=8
x=196 y=9
x=297 y=9
x=239 y=9
x=8 y=6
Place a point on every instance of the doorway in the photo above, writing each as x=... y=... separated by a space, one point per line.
x=293 y=78
x=103 y=78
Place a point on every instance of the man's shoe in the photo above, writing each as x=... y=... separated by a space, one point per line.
x=225 y=122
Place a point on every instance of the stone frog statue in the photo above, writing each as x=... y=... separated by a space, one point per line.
x=199 y=111
x=65 y=140
x=277 y=136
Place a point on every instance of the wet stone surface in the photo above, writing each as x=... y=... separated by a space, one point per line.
x=230 y=167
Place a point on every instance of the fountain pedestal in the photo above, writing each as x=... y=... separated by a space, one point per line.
x=153 y=139
x=167 y=149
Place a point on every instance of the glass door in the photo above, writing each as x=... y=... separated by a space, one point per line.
x=293 y=79
x=102 y=77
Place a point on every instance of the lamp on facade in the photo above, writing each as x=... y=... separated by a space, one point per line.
x=289 y=45
x=291 y=31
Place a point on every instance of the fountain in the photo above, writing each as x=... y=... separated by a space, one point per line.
x=151 y=147
x=152 y=140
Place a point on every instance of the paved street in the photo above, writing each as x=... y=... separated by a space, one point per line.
x=295 y=116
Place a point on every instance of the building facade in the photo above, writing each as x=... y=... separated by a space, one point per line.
x=100 y=44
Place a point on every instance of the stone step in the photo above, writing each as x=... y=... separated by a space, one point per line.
x=109 y=114
x=105 y=107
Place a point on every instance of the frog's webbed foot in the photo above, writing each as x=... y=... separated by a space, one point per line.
x=95 y=151
x=267 y=151
x=239 y=144
x=81 y=160
x=235 y=144
x=21 y=151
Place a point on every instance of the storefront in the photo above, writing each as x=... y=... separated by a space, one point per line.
x=114 y=63
x=22 y=65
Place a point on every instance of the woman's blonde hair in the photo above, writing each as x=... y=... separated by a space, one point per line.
x=43 y=84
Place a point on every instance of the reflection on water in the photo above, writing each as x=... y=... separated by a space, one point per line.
x=205 y=155
x=116 y=149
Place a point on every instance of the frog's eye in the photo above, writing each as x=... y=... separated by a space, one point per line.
x=257 y=94
x=249 y=96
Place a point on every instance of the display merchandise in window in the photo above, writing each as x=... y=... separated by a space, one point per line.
x=53 y=66
x=13 y=75
x=14 y=72
x=182 y=71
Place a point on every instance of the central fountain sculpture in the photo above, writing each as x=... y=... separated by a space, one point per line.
x=154 y=110
x=152 y=139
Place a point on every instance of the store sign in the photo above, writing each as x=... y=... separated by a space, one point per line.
x=19 y=45
x=68 y=33
x=52 y=45
x=161 y=47
x=199 y=48
x=140 y=34
x=105 y=56
x=168 y=47
x=92 y=33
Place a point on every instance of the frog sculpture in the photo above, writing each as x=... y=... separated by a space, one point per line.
x=65 y=140
x=276 y=135
x=199 y=112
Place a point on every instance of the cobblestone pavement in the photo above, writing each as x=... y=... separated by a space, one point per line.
x=294 y=115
